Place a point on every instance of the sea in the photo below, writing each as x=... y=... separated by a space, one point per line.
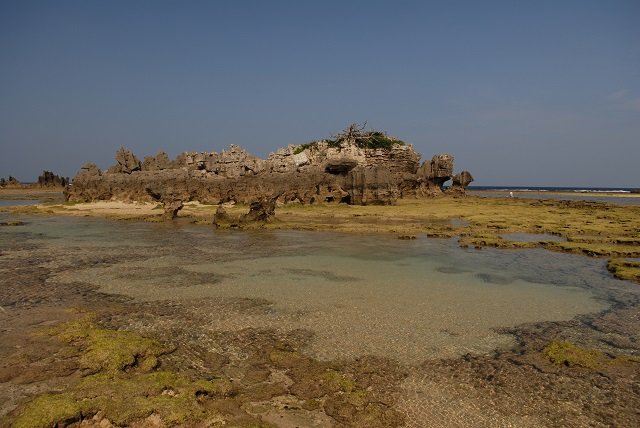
x=615 y=195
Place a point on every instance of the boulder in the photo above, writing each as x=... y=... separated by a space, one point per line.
x=261 y=210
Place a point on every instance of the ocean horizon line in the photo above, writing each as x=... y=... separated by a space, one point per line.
x=576 y=189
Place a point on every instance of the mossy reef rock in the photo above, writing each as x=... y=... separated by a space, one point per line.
x=355 y=167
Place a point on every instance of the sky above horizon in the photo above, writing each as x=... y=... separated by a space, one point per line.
x=543 y=93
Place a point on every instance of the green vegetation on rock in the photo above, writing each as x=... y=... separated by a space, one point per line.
x=570 y=355
x=124 y=386
x=110 y=350
x=49 y=410
x=355 y=134
x=624 y=269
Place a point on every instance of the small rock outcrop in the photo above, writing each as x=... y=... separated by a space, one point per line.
x=49 y=179
x=222 y=219
x=10 y=183
x=170 y=199
x=433 y=174
x=261 y=210
x=460 y=182
x=355 y=167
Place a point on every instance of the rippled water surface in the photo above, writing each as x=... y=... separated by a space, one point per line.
x=409 y=300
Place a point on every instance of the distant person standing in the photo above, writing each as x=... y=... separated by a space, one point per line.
x=511 y=194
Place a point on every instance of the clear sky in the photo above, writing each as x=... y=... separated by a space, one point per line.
x=520 y=92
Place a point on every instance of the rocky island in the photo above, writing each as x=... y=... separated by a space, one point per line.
x=355 y=167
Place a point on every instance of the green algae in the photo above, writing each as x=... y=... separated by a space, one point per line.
x=565 y=353
x=125 y=387
x=110 y=350
x=48 y=410
x=124 y=398
x=570 y=355
x=337 y=381
x=624 y=269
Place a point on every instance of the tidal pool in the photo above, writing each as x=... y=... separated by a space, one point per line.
x=410 y=300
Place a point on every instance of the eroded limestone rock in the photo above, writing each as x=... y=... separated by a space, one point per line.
x=322 y=171
x=261 y=210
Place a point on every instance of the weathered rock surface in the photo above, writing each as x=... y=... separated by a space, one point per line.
x=127 y=162
x=460 y=182
x=433 y=174
x=169 y=197
x=345 y=170
x=261 y=210
x=371 y=186
x=49 y=179
x=10 y=183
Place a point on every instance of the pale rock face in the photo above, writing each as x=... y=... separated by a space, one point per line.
x=300 y=159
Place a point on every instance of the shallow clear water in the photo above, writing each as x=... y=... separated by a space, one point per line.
x=13 y=202
x=409 y=300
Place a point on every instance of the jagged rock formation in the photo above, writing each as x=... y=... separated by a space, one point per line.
x=49 y=179
x=356 y=167
x=10 y=183
x=433 y=174
x=127 y=162
x=460 y=182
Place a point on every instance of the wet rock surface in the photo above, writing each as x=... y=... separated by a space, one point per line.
x=272 y=377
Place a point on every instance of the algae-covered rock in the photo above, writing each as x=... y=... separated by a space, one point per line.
x=567 y=354
x=110 y=350
x=48 y=410
x=624 y=269
x=124 y=387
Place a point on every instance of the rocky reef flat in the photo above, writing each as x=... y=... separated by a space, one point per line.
x=82 y=344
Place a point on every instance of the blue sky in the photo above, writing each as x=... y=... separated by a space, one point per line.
x=521 y=93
